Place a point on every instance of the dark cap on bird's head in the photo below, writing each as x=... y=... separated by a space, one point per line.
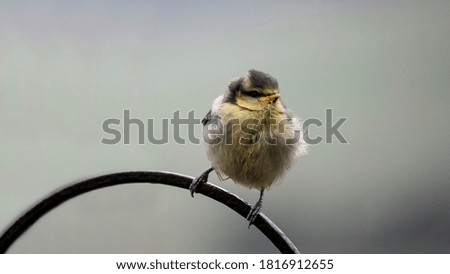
x=262 y=80
x=255 y=81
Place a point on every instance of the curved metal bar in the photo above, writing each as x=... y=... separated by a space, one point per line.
x=264 y=224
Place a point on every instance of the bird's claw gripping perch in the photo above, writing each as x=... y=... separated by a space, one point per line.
x=201 y=179
x=254 y=212
x=196 y=182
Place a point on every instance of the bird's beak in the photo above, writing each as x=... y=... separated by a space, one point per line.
x=270 y=98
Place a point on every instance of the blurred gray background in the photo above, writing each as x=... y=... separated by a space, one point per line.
x=66 y=66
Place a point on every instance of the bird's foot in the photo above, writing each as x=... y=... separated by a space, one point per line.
x=254 y=212
x=201 y=179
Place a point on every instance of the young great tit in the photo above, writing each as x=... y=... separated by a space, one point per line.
x=250 y=136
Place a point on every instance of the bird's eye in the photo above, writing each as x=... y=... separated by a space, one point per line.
x=254 y=94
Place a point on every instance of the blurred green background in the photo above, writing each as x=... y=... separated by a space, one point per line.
x=66 y=66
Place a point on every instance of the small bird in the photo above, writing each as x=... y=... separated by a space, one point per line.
x=250 y=136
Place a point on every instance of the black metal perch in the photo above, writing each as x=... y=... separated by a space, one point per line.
x=264 y=224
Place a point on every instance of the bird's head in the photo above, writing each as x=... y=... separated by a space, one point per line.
x=256 y=91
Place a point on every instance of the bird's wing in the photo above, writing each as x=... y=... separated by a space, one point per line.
x=207 y=118
x=211 y=118
x=212 y=113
